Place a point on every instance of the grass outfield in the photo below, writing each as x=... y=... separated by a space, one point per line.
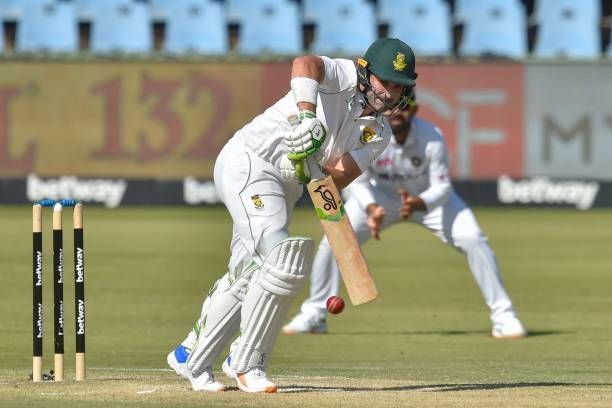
x=425 y=342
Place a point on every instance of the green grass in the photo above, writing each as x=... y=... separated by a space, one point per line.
x=424 y=342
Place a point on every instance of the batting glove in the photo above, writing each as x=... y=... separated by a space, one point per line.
x=307 y=137
x=294 y=170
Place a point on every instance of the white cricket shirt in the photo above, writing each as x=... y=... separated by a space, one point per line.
x=338 y=108
x=419 y=166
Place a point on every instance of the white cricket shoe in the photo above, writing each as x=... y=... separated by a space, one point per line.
x=509 y=328
x=227 y=368
x=255 y=380
x=305 y=323
x=177 y=360
x=206 y=382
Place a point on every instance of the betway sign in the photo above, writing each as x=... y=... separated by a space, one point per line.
x=542 y=190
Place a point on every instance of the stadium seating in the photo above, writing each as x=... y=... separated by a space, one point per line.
x=267 y=26
x=193 y=26
x=568 y=28
x=342 y=27
x=424 y=24
x=492 y=27
x=11 y=9
x=120 y=26
x=85 y=9
x=47 y=25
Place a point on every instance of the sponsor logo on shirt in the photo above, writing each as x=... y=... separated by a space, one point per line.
x=396 y=177
x=384 y=162
x=367 y=136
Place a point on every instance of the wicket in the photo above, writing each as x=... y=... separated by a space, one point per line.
x=58 y=288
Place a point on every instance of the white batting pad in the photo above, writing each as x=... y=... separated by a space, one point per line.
x=220 y=319
x=268 y=300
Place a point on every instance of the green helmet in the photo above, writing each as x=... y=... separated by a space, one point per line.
x=389 y=59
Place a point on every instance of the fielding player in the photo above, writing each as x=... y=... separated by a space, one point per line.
x=410 y=181
x=341 y=130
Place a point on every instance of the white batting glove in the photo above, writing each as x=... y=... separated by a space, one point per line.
x=294 y=170
x=307 y=137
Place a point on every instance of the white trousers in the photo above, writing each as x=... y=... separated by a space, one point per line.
x=454 y=223
x=258 y=200
x=261 y=205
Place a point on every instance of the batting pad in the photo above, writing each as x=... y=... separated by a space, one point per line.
x=220 y=320
x=267 y=302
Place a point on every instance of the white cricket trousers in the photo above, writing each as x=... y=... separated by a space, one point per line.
x=454 y=223
x=261 y=205
x=259 y=201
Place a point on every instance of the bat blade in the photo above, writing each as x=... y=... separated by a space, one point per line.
x=342 y=240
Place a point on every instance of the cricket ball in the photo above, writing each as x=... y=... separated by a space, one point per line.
x=335 y=304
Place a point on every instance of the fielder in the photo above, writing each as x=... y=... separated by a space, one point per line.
x=342 y=128
x=410 y=181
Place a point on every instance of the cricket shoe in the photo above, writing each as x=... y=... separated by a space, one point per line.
x=206 y=382
x=509 y=328
x=255 y=380
x=305 y=323
x=177 y=360
x=227 y=368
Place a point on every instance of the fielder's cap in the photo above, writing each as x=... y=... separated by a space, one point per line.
x=392 y=60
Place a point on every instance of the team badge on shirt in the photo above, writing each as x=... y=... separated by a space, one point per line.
x=367 y=136
x=400 y=62
x=416 y=161
x=257 y=202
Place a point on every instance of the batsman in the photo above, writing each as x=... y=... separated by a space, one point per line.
x=259 y=174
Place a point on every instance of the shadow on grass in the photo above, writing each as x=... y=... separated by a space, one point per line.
x=436 y=387
x=536 y=333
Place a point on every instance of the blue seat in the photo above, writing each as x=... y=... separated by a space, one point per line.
x=424 y=24
x=85 y=9
x=121 y=25
x=193 y=26
x=568 y=28
x=497 y=27
x=342 y=27
x=48 y=25
x=11 y=9
x=267 y=26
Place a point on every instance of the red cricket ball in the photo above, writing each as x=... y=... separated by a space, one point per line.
x=335 y=304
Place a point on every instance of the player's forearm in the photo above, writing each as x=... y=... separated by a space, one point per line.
x=306 y=73
x=343 y=171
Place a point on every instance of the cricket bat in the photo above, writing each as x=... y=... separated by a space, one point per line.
x=342 y=240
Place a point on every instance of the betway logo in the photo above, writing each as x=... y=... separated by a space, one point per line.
x=108 y=192
x=39 y=321
x=195 y=192
x=38 y=268
x=60 y=267
x=79 y=266
x=542 y=190
x=60 y=319
x=80 y=317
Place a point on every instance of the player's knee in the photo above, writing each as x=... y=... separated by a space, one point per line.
x=287 y=266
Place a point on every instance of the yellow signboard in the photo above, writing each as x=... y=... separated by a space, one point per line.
x=161 y=120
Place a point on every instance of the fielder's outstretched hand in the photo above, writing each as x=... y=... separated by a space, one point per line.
x=376 y=215
x=307 y=137
x=410 y=204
